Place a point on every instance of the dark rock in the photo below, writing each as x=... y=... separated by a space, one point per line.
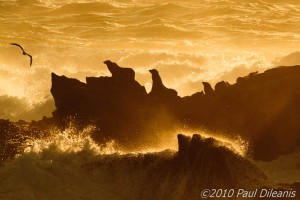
x=198 y=94
x=240 y=80
x=207 y=88
x=183 y=144
x=164 y=175
x=211 y=159
x=69 y=95
x=196 y=142
x=221 y=86
x=263 y=108
x=111 y=103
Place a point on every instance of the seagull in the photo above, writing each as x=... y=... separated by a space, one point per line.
x=24 y=53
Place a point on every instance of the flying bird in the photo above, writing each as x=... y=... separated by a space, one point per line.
x=24 y=53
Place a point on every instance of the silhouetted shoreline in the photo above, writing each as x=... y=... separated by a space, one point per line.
x=261 y=107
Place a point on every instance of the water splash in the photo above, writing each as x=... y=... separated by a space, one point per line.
x=237 y=144
x=69 y=165
x=71 y=140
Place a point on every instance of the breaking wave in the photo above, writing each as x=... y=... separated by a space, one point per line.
x=69 y=165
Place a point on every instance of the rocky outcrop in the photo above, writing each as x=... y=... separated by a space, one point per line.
x=221 y=86
x=111 y=103
x=165 y=175
x=262 y=108
x=200 y=152
x=207 y=88
x=183 y=144
x=69 y=95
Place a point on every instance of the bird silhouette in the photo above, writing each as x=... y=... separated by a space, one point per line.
x=24 y=53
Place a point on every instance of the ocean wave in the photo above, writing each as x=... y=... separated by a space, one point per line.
x=164 y=9
x=176 y=19
x=71 y=166
x=80 y=8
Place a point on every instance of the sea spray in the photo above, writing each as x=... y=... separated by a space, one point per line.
x=69 y=165
x=52 y=167
x=70 y=140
